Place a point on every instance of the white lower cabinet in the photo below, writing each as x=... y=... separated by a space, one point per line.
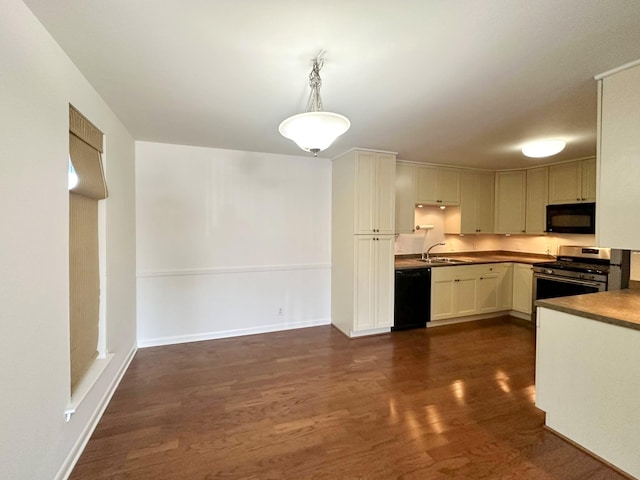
x=453 y=292
x=465 y=290
x=522 y=288
x=374 y=278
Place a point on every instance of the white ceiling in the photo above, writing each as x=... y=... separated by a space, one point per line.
x=461 y=82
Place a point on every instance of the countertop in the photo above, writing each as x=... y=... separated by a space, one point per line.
x=472 y=258
x=617 y=307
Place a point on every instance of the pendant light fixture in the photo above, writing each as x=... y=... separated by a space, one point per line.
x=315 y=130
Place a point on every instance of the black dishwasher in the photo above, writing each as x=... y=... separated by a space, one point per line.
x=412 y=305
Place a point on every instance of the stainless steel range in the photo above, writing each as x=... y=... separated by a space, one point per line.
x=579 y=270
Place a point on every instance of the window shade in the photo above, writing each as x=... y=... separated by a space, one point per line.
x=84 y=283
x=85 y=130
x=85 y=147
x=88 y=166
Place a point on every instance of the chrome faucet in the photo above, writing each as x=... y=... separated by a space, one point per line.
x=429 y=250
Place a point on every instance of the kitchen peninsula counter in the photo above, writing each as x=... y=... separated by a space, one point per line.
x=587 y=357
x=617 y=307
x=472 y=258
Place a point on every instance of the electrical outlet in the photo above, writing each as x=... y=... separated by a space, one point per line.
x=281 y=312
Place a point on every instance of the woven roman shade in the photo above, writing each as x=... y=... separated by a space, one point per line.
x=85 y=147
x=84 y=284
x=85 y=130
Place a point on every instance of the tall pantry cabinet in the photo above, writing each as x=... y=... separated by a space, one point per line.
x=617 y=221
x=362 y=241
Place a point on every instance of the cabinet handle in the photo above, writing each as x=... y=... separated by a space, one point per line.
x=577 y=199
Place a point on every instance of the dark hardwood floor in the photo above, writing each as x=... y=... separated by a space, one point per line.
x=439 y=403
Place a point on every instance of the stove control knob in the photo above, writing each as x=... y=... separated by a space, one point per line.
x=548 y=271
x=581 y=275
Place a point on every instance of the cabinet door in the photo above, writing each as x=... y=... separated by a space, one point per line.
x=468 y=205
x=466 y=294
x=405 y=198
x=448 y=186
x=485 y=182
x=385 y=193
x=488 y=292
x=374 y=282
x=522 y=288
x=442 y=282
x=375 y=193
x=565 y=183
x=510 y=201
x=619 y=149
x=385 y=278
x=365 y=283
x=537 y=195
x=365 y=193
x=505 y=286
x=427 y=184
x=589 y=180
x=475 y=214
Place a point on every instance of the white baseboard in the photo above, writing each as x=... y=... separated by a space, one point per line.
x=366 y=333
x=473 y=318
x=198 y=337
x=523 y=316
x=83 y=439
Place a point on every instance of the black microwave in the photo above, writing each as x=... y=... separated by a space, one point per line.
x=571 y=218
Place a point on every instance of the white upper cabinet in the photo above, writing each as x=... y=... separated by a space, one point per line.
x=405 y=197
x=572 y=182
x=375 y=192
x=537 y=198
x=617 y=224
x=438 y=185
x=475 y=214
x=510 y=201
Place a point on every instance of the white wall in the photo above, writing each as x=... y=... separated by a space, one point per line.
x=226 y=239
x=433 y=215
x=37 y=83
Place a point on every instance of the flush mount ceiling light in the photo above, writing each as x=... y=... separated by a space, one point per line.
x=543 y=148
x=314 y=130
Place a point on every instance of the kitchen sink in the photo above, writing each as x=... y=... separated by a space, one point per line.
x=442 y=260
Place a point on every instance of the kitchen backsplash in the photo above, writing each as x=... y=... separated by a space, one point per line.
x=413 y=243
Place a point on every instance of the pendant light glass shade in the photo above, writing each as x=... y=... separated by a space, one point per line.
x=316 y=129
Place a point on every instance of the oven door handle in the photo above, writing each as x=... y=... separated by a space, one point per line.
x=575 y=281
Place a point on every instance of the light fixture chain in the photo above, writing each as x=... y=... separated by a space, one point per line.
x=315 y=82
